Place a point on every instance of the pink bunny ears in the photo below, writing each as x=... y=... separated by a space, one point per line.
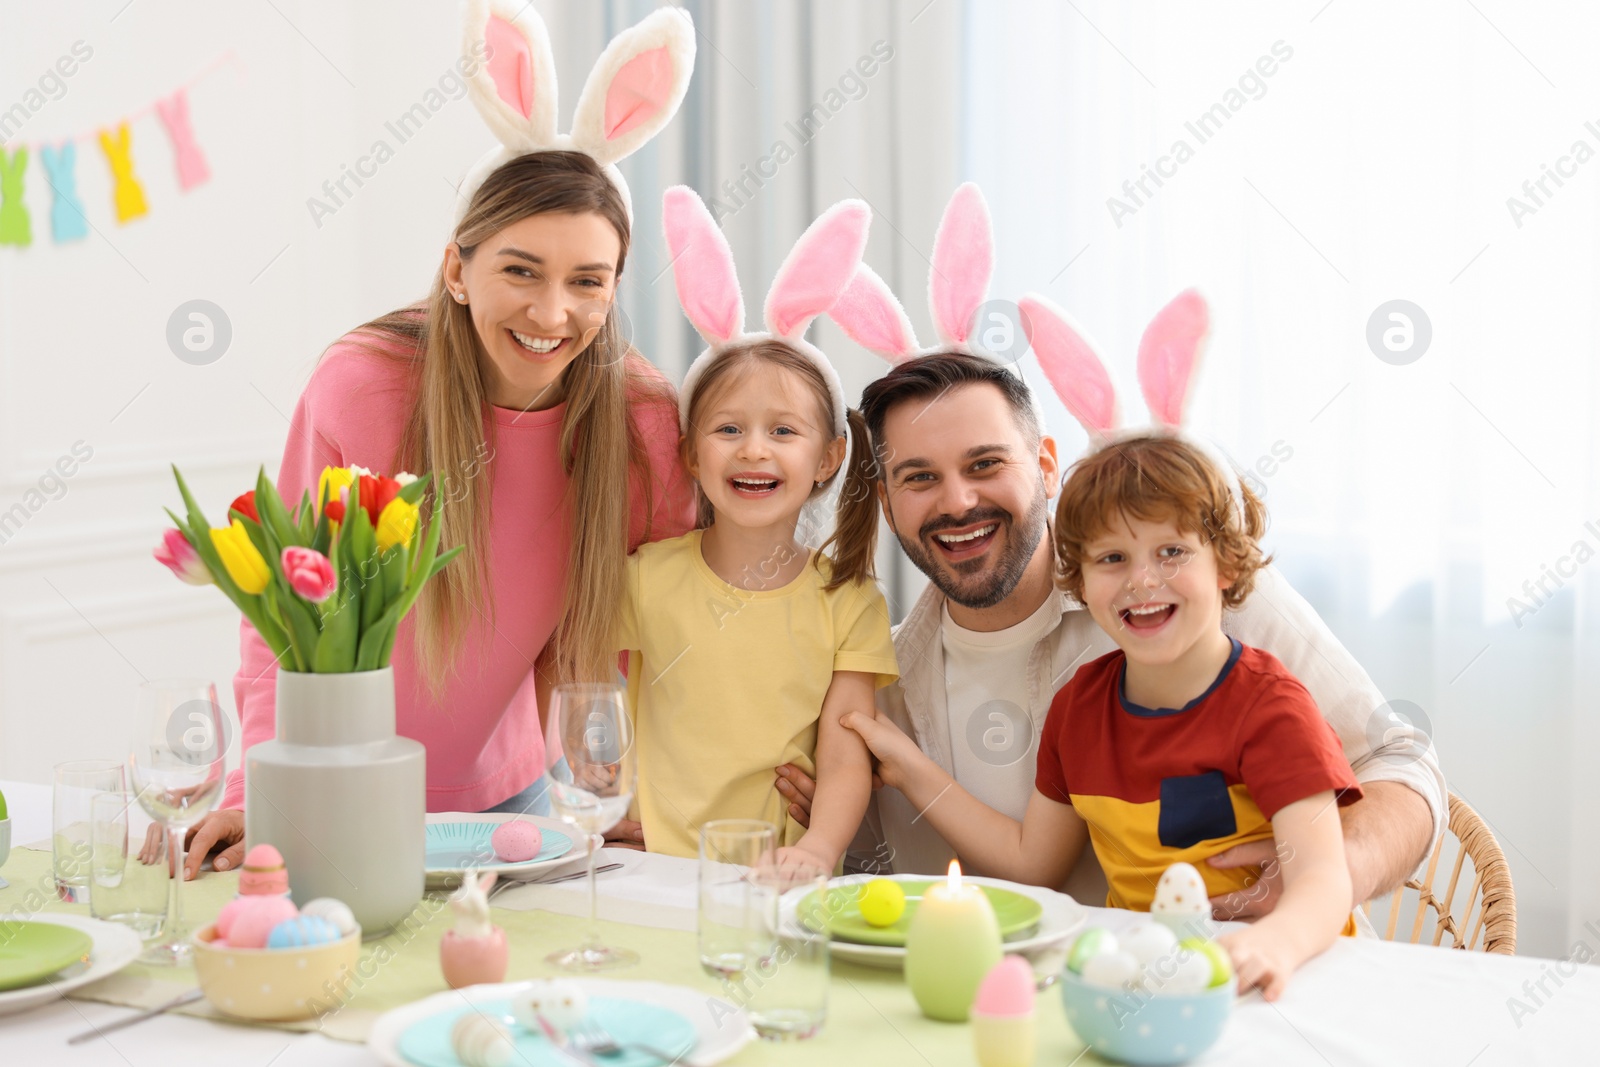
x=958 y=283
x=1169 y=356
x=812 y=277
x=632 y=92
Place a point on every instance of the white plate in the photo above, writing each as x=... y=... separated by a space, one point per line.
x=115 y=946
x=722 y=1032
x=1061 y=919
x=514 y=872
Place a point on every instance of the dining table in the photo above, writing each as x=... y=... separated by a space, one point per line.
x=1363 y=1001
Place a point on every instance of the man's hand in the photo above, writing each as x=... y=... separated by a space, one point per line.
x=626 y=834
x=1262 y=895
x=800 y=789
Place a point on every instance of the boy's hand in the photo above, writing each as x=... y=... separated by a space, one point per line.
x=896 y=753
x=1260 y=960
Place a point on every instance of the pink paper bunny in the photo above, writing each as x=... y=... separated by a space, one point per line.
x=632 y=92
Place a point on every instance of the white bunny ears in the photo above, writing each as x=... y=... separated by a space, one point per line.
x=1169 y=355
x=632 y=92
x=811 y=279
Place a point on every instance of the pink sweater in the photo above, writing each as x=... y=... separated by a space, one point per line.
x=483 y=737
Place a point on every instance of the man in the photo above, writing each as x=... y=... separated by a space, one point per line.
x=965 y=480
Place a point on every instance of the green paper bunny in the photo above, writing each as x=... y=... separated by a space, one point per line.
x=14 y=227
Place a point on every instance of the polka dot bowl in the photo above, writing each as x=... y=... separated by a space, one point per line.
x=275 y=984
x=1142 y=1029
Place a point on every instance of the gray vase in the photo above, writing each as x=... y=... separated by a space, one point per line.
x=341 y=796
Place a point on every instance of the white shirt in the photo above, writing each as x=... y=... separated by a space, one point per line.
x=994 y=737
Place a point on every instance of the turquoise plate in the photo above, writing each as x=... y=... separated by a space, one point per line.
x=427 y=1043
x=457 y=846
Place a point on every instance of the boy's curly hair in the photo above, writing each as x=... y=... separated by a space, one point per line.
x=1158 y=479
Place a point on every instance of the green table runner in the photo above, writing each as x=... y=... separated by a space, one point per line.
x=871 y=1016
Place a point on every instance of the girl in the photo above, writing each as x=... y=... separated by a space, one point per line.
x=746 y=647
x=551 y=441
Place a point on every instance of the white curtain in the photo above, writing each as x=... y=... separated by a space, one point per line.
x=1356 y=154
x=793 y=106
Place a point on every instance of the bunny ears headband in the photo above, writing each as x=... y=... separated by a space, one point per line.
x=1169 y=355
x=632 y=92
x=812 y=277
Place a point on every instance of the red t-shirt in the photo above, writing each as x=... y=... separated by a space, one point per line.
x=1160 y=786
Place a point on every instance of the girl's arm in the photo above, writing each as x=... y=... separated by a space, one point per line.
x=1316 y=898
x=844 y=770
x=1040 y=850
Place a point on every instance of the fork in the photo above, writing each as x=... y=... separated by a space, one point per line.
x=589 y=1036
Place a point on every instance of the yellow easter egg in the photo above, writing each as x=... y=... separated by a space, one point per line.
x=1221 y=965
x=882 y=902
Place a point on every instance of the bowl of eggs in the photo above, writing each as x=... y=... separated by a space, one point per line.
x=1146 y=996
x=266 y=959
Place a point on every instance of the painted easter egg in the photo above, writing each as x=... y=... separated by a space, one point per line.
x=335 y=911
x=255 y=922
x=303 y=931
x=882 y=902
x=1092 y=942
x=481 y=1041
x=516 y=841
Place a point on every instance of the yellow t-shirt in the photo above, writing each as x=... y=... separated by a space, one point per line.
x=726 y=685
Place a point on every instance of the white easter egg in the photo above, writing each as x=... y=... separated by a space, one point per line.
x=1148 y=941
x=563 y=1005
x=1181 y=891
x=1111 y=970
x=480 y=1041
x=1192 y=976
x=335 y=911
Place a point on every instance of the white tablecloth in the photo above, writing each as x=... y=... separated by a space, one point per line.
x=1362 y=1002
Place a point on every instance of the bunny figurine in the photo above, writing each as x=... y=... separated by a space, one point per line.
x=475 y=951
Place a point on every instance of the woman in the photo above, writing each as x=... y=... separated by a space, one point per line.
x=513 y=385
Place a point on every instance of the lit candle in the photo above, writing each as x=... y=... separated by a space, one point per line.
x=952 y=943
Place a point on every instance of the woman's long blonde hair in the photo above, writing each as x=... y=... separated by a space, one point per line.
x=451 y=434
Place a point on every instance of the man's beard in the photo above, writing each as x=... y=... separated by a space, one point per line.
x=977 y=584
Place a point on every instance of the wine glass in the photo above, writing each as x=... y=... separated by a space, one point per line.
x=177 y=773
x=593 y=769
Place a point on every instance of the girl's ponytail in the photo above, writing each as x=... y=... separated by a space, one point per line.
x=855 y=529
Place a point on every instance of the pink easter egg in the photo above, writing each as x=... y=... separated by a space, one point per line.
x=253 y=923
x=1007 y=989
x=516 y=841
x=230 y=911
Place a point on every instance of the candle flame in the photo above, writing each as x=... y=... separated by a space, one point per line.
x=954 y=880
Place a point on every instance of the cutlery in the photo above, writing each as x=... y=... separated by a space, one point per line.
x=99 y=1031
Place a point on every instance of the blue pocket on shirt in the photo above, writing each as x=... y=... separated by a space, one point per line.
x=1195 y=808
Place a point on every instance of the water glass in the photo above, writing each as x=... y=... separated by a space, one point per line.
x=784 y=990
x=127 y=888
x=730 y=932
x=71 y=841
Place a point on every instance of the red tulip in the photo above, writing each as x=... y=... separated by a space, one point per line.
x=334 y=511
x=245 y=504
x=376 y=492
x=309 y=573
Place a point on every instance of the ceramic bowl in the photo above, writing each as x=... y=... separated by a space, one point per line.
x=275 y=984
x=1145 y=1029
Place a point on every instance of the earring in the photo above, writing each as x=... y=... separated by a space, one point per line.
x=461 y=297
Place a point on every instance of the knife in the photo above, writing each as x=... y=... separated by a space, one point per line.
x=176 y=1002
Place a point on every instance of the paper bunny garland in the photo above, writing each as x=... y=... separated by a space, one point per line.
x=1169 y=355
x=811 y=279
x=632 y=92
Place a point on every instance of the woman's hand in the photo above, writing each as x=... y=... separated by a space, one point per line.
x=221 y=829
x=626 y=834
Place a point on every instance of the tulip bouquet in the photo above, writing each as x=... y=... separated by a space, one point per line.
x=325 y=585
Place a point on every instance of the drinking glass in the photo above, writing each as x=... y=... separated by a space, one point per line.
x=71 y=844
x=177 y=767
x=129 y=887
x=784 y=989
x=729 y=931
x=593 y=770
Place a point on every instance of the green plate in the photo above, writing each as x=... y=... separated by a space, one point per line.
x=32 y=952
x=1018 y=915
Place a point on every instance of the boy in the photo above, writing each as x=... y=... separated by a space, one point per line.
x=1181 y=744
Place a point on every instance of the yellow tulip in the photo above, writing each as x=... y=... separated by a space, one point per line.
x=397 y=525
x=333 y=481
x=244 y=564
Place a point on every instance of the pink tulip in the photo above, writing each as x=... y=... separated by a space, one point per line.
x=309 y=573
x=178 y=555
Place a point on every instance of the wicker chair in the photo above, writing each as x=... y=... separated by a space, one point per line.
x=1491 y=897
